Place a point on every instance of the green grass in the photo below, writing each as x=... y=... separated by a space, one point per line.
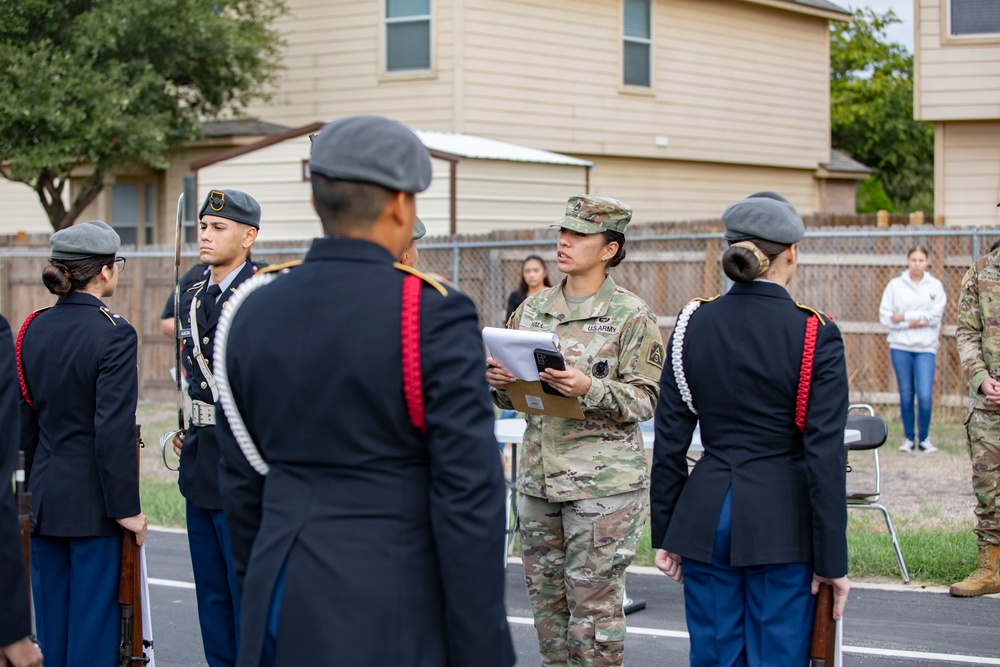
x=932 y=556
x=162 y=503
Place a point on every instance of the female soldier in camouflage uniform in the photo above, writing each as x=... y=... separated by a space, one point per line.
x=583 y=483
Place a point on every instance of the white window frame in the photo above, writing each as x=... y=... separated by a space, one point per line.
x=387 y=21
x=646 y=41
x=950 y=35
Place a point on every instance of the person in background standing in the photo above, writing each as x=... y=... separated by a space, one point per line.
x=912 y=307
x=534 y=278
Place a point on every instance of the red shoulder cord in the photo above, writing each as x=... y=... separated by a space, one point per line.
x=20 y=362
x=805 y=372
x=413 y=385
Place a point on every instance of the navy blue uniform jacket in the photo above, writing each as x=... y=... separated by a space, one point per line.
x=393 y=539
x=742 y=355
x=80 y=367
x=15 y=619
x=199 y=474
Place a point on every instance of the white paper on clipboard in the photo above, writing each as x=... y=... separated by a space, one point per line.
x=514 y=348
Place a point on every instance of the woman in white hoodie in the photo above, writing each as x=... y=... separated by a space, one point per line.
x=911 y=308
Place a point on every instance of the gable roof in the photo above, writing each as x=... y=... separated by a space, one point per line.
x=244 y=127
x=844 y=163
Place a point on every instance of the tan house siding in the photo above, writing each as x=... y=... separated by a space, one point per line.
x=732 y=81
x=968 y=173
x=956 y=78
x=274 y=177
x=333 y=66
x=660 y=190
x=22 y=212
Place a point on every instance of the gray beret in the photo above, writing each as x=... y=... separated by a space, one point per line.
x=232 y=205
x=371 y=149
x=419 y=230
x=764 y=215
x=88 y=239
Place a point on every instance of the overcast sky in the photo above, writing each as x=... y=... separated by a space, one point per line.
x=900 y=32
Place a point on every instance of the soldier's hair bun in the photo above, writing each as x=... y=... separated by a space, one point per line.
x=741 y=264
x=61 y=277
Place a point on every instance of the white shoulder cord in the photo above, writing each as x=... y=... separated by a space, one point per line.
x=677 y=353
x=233 y=416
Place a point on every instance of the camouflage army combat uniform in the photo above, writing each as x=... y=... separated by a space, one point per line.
x=978 y=337
x=583 y=483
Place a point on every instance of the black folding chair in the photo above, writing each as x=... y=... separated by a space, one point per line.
x=873 y=434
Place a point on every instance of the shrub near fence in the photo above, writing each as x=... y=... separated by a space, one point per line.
x=842 y=271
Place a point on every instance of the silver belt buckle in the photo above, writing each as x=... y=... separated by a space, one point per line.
x=204 y=414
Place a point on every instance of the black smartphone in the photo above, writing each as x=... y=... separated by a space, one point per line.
x=549 y=359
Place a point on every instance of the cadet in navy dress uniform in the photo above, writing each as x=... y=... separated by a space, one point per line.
x=377 y=538
x=15 y=615
x=78 y=397
x=761 y=519
x=229 y=222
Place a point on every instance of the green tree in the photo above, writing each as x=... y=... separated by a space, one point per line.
x=90 y=87
x=871 y=114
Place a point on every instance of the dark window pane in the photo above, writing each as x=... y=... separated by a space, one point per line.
x=975 y=17
x=125 y=203
x=637 y=18
x=636 y=71
x=409 y=45
x=126 y=233
x=397 y=8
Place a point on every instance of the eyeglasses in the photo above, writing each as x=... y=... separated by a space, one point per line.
x=120 y=263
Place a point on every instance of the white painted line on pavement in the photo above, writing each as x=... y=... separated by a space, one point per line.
x=679 y=634
x=860 y=650
x=170 y=583
x=920 y=655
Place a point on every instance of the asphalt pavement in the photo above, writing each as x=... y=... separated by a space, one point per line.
x=885 y=626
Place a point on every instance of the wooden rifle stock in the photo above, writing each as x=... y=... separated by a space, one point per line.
x=131 y=647
x=25 y=522
x=824 y=636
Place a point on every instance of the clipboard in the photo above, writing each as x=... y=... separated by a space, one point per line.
x=527 y=396
x=514 y=348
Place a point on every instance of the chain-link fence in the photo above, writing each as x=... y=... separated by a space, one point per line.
x=842 y=271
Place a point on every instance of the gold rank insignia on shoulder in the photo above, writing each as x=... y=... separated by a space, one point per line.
x=195 y=286
x=280 y=268
x=423 y=276
x=705 y=299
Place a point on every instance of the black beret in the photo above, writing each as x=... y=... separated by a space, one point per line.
x=232 y=205
x=764 y=215
x=371 y=149
x=87 y=239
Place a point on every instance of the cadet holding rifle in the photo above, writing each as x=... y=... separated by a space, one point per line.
x=229 y=221
x=79 y=385
x=761 y=520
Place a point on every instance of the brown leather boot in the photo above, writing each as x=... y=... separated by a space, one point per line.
x=985 y=579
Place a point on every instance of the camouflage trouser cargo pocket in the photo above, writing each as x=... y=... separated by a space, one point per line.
x=575 y=554
x=984 y=451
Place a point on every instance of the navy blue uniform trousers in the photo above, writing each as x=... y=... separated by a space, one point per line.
x=756 y=616
x=218 y=600
x=76 y=599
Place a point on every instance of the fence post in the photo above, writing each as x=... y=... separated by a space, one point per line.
x=710 y=269
x=917 y=218
x=882 y=218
